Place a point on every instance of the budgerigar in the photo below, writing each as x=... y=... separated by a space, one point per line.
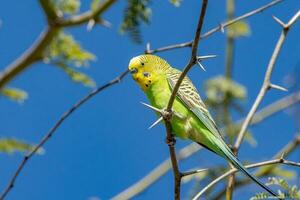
x=191 y=119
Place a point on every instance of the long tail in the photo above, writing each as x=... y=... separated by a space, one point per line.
x=228 y=153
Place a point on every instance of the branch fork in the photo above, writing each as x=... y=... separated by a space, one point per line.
x=287 y=26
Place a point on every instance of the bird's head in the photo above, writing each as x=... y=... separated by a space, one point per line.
x=146 y=68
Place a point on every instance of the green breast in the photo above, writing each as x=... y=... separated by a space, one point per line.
x=159 y=93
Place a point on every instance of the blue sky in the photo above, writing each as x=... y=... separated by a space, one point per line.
x=105 y=146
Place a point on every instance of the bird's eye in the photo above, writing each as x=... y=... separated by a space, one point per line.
x=133 y=70
x=146 y=74
x=142 y=64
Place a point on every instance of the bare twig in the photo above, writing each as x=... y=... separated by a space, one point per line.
x=275 y=107
x=191 y=149
x=265 y=87
x=87 y=16
x=267 y=82
x=193 y=58
x=54 y=128
x=232 y=171
x=30 y=56
x=34 y=53
x=220 y=27
x=188 y=173
x=156 y=173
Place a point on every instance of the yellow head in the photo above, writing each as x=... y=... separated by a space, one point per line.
x=146 y=69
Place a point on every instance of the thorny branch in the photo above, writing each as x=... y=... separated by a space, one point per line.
x=191 y=149
x=265 y=87
x=52 y=130
x=55 y=23
x=32 y=55
x=214 y=30
x=168 y=112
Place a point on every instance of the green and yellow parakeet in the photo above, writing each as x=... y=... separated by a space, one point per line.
x=191 y=119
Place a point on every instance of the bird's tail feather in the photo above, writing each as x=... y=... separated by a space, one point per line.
x=228 y=153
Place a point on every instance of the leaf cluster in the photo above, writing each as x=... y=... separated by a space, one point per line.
x=286 y=191
x=65 y=52
x=136 y=12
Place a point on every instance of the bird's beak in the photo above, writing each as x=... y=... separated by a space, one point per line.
x=133 y=70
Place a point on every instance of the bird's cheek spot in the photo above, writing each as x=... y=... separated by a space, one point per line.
x=146 y=85
x=146 y=74
x=149 y=81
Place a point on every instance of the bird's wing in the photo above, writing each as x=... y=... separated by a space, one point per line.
x=189 y=95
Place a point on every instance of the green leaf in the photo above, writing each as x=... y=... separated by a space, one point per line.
x=175 y=2
x=65 y=49
x=9 y=145
x=218 y=88
x=77 y=76
x=70 y=7
x=277 y=171
x=239 y=29
x=261 y=196
x=137 y=12
x=289 y=192
x=278 y=181
x=286 y=173
x=15 y=94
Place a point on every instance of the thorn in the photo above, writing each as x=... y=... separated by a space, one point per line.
x=59 y=13
x=90 y=25
x=293 y=20
x=221 y=27
x=104 y=23
x=148 y=48
x=278 y=87
x=194 y=172
x=201 y=170
x=152 y=107
x=156 y=122
x=278 y=21
x=282 y=156
x=200 y=58
x=202 y=67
